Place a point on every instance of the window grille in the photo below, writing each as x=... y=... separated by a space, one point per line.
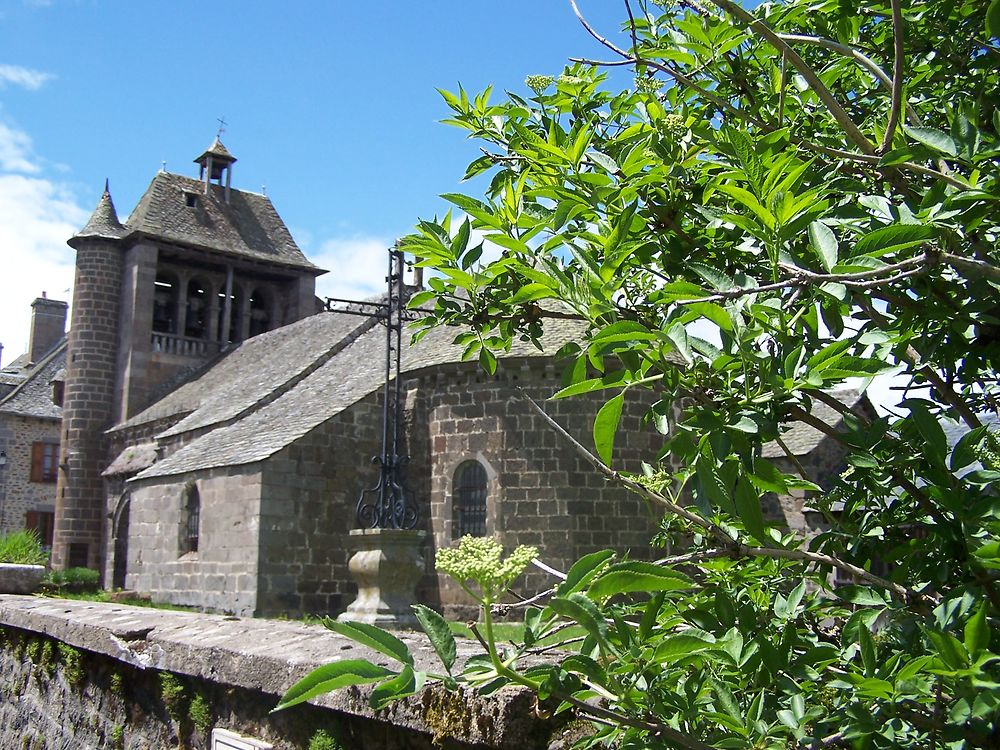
x=469 y=500
x=192 y=520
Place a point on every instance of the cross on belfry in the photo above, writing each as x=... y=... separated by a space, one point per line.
x=222 y=126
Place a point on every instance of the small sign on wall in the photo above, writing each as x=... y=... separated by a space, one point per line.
x=223 y=739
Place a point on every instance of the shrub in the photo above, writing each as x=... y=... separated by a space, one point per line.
x=76 y=580
x=22 y=548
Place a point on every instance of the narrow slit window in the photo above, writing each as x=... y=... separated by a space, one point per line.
x=469 y=500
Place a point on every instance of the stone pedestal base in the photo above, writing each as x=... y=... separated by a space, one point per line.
x=387 y=565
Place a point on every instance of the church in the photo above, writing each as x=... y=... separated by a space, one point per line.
x=218 y=421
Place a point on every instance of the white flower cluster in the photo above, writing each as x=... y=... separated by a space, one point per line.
x=480 y=559
x=646 y=85
x=538 y=84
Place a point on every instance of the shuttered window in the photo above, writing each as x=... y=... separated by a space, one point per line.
x=44 y=462
x=42 y=523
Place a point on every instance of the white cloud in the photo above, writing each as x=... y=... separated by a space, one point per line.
x=37 y=216
x=15 y=151
x=357 y=265
x=17 y=75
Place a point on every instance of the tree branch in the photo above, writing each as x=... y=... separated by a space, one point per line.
x=897 y=76
x=764 y=31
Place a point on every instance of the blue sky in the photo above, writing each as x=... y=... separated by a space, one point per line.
x=330 y=105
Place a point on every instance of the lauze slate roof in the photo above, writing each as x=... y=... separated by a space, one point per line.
x=33 y=397
x=246 y=226
x=355 y=369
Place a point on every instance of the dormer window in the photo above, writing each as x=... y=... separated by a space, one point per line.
x=191 y=199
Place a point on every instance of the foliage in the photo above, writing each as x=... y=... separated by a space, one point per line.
x=787 y=201
x=22 y=548
x=200 y=712
x=72 y=664
x=323 y=740
x=71 y=580
x=174 y=694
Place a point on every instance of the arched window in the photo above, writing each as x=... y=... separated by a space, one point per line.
x=469 y=500
x=260 y=313
x=196 y=321
x=165 y=295
x=191 y=518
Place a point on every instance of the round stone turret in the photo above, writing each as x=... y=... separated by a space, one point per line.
x=89 y=392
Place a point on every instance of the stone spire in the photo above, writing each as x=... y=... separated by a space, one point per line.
x=104 y=221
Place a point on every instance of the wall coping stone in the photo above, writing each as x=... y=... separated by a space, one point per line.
x=270 y=656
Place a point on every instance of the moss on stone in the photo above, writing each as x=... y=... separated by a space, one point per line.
x=48 y=657
x=200 y=713
x=174 y=695
x=72 y=661
x=446 y=714
x=117 y=686
x=34 y=650
x=323 y=740
x=118 y=737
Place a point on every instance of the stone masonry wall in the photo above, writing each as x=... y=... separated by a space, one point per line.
x=18 y=494
x=89 y=676
x=540 y=490
x=309 y=494
x=222 y=574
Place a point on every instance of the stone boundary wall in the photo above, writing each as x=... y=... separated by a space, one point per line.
x=88 y=675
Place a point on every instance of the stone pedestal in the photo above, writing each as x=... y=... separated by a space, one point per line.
x=387 y=565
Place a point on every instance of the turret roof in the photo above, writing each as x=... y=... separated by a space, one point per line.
x=217 y=151
x=104 y=221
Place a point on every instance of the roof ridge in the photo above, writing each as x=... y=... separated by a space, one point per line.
x=36 y=370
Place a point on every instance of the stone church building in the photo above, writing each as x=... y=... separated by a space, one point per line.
x=218 y=424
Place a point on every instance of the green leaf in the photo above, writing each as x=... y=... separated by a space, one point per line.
x=824 y=244
x=637 y=576
x=331 y=677
x=993 y=20
x=964 y=452
x=606 y=426
x=893 y=238
x=977 y=632
x=930 y=430
x=933 y=138
x=584 y=612
x=583 y=571
x=488 y=361
x=405 y=683
x=439 y=633
x=676 y=646
x=373 y=637
x=868 y=653
x=623 y=330
x=748 y=509
x=530 y=293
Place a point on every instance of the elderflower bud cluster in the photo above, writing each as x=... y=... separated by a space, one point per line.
x=673 y=124
x=480 y=560
x=538 y=84
x=646 y=85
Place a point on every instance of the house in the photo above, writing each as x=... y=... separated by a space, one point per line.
x=31 y=392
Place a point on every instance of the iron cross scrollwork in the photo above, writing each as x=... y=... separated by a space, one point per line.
x=387 y=504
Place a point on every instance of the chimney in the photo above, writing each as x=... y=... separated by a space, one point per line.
x=48 y=326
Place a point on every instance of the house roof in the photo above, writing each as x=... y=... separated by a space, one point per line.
x=246 y=226
x=802 y=439
x=33 y=396
x=334 y=384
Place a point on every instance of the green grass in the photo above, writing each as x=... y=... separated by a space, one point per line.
x=106 y=597
x=22 y=548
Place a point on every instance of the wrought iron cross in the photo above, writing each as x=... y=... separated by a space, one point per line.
x=386 y=504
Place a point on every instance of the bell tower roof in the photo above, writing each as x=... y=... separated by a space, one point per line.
x=216 y=165
x=104 y=221
x=218 y=154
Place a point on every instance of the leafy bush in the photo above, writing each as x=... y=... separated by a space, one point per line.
x=791 y=199
x=22 y=548
x=76 y=580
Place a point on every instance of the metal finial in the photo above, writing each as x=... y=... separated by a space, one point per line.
x=222 y=126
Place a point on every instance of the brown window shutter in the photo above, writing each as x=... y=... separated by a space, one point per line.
x=31 y=521
x=37 y=457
